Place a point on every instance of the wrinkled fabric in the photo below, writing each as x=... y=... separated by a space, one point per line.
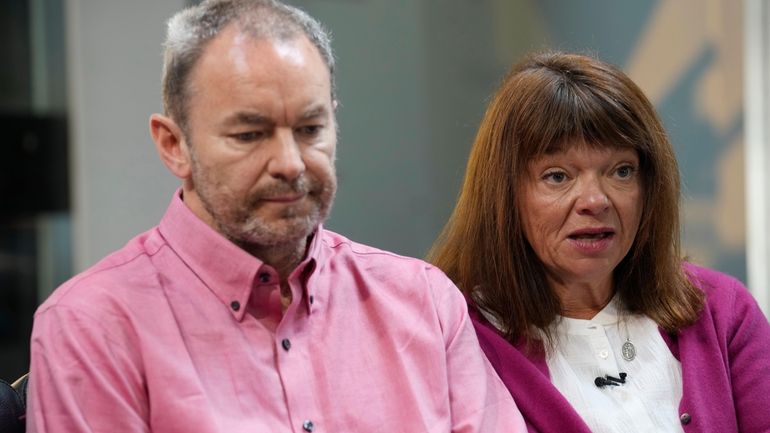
x=182 y=331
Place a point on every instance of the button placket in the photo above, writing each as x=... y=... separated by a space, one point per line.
x=600 y=345
x=293 y=354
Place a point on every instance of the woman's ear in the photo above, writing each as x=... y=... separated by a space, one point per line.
x=171 y=145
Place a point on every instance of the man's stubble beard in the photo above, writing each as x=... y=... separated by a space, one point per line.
x=238 y=219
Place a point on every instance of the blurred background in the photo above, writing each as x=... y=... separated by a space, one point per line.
x=79 y=175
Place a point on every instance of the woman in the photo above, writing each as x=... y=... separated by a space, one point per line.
x=565 y=239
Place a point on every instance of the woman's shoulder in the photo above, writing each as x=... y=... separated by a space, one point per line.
x=726 y=296
x=702 y=276
x=716 y=285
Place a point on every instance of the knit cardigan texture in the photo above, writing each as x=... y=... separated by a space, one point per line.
x=725 y=359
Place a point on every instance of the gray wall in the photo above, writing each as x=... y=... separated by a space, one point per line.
x=120 y=187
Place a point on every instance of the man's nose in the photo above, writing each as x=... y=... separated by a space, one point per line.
x=286 y=159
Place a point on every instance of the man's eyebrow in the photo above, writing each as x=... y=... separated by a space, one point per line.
x=246 y=118
x=319 y=110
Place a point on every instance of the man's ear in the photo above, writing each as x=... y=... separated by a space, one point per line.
x=171 y=145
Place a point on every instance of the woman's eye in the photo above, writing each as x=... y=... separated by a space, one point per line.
x=555 y=176
x=624 y=172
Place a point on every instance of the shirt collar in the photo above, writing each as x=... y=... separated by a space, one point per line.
x=227 y=270
x=609 y=315
x=305 y=271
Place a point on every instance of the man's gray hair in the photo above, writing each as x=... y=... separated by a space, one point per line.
x=190 y=31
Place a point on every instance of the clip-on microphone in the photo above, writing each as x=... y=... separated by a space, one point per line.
x=608 y=380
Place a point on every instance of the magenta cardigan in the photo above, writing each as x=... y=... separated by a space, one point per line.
x=725 y=360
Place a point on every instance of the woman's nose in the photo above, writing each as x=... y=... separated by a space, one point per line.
x=592 y=198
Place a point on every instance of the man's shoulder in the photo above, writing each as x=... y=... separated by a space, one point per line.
x=378 y=261
x=339 y=245
x=112 y=277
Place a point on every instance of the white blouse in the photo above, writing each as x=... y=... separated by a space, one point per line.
x=649 y=399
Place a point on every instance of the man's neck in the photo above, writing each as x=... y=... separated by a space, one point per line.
x=283 y=257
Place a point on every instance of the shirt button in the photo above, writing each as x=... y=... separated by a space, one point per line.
x=235 y=305
x=264 y=277
x=308 y=425
x=604 y=354
x=286 y=346
x=685 y=418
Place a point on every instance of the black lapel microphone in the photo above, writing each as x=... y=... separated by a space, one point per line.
x=608 y=380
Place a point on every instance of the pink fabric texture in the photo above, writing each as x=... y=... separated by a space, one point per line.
x=182 y=331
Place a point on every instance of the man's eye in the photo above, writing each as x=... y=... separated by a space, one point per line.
x=248 y=136
x=310 y=130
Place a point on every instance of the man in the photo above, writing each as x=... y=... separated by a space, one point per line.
x=239 y=312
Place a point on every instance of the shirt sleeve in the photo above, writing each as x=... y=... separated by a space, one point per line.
x=83 y=378
x=478 y=399
x=749 y=362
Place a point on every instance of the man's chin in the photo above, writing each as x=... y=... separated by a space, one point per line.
x=282 y=232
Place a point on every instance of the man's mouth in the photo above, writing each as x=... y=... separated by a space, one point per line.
x=285 y=198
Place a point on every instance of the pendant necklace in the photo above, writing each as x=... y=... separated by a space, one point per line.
x=628 y=350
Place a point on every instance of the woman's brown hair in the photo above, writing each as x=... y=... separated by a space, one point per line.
x=546 y=102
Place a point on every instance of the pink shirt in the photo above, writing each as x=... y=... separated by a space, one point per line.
x=182 y=331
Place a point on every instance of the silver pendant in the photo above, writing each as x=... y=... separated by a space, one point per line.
x=628 y=351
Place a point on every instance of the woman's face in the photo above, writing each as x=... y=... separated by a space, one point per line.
x=580 y=209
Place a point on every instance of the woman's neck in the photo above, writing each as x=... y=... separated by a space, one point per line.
x=583 y=300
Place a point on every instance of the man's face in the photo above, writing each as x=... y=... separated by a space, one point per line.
x=261 y=139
